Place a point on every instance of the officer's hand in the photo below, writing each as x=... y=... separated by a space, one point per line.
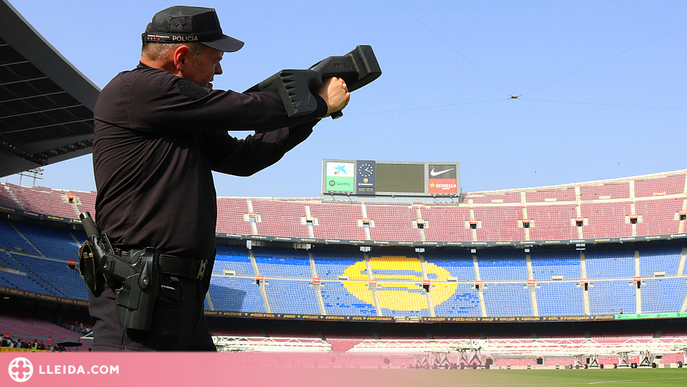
x=335 y=93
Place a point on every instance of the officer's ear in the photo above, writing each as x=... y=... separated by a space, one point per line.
x=181 y=57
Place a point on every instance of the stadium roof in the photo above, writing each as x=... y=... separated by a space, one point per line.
x=46 y=104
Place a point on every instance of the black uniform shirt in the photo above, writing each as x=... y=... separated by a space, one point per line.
x=157 y=139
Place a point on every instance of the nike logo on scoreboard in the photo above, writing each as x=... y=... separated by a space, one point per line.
x=437 y=173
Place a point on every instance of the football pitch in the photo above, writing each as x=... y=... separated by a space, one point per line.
x=663 y=377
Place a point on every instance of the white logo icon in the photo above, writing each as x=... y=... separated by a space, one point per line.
x=20 y=369
x=435 y=173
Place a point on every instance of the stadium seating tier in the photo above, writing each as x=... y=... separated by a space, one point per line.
x=397 y=282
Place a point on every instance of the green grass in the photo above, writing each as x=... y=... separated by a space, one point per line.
x=657 y=377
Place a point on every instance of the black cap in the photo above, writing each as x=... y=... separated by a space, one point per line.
x=180 y=24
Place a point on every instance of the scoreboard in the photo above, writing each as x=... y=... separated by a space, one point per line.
x=386 y=178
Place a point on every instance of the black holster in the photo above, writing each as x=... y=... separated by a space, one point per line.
x=136 y=298
x=136 y=280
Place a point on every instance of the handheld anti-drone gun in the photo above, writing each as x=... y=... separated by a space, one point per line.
x=138 y=276
x=357 y=68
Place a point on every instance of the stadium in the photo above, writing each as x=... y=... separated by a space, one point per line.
x=588 y=274
x=580 y=275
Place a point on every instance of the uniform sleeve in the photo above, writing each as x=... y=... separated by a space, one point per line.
x=244 y=157
x=159 y=101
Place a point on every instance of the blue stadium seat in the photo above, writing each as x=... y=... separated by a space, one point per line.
x=331 y=264
x=463 y=303
x=338 y=301
x=610 y=262
x=502 y=265
x=289 y=296
x=560 y=299
x=11 y=240
x=282 y=263
x=457 y=262
x=52 y=242
x=236 y=294
x=660 y=259
x=547 y=264
x=611 y=296
x=507 y=299
x=233 y=258
x=660 y=295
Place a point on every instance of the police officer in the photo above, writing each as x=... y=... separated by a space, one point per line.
x=160 y=131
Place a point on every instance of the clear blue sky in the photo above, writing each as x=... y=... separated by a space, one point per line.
x=602 y=84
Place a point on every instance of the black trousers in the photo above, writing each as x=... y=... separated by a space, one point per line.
x=178 y=320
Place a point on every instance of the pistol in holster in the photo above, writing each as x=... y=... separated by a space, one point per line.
x=136 y=280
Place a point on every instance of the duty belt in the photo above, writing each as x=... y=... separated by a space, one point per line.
x=174 y=265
